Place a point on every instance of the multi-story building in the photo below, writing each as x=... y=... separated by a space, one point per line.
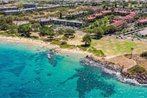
x=8 y=8
x=56 y=21
x=30 y=5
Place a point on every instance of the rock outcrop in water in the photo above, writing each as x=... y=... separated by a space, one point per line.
x=141 y=78
x=117 y=71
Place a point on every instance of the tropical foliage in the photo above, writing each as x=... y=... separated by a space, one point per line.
x=87 y=40
x=46 y=31
x=144 y=54
x=101 y=27
x=25 y=29
x=136 y=69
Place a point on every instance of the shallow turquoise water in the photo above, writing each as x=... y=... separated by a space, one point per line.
x=25 y=72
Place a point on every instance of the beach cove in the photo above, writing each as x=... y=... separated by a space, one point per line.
x=47 y=45
x=26 y=72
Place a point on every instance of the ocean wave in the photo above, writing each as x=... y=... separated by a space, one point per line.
x=109 y=69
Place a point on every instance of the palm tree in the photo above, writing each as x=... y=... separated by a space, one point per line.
x=132 y=52
x=87 y=40
x=60 y=15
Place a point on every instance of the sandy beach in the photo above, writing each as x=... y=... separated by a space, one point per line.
x=75 y=51
x=41 y=43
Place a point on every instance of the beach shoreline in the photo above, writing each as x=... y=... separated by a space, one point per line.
x=46 y=45
x=77 y=52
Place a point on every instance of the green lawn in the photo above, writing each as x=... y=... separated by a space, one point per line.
x=118 y=47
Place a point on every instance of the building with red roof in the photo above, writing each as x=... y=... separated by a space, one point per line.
x=142 y=21
x=106 y=12
x=121 y=21
x=91 y=17
x=117 y=22
x=98 y=15
x=121 y=12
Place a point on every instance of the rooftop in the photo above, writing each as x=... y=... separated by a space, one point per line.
x=143 y=33
x=142 y=20
x=56 y=19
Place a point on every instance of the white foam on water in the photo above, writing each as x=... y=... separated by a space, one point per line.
x=114 y=73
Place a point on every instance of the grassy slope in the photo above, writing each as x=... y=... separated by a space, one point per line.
x=119 y=47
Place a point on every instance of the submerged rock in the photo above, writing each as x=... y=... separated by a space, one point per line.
x=117 y=71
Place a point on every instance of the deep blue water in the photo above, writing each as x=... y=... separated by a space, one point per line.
x=26 y=72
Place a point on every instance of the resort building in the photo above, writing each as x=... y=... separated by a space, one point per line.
x=121 y=21
x=48 y=7
x=26 y=8
x=6 y=1
x=11 y=12
x=75 y=2
x=30 y=5
x=107 y=12
x=20 y=22
x=98 y=15
x=121 y=12
x=8 y=8
x=130 y=17
x=142 y=33
x=142 y=21
x=56 y=21
x=91 y=17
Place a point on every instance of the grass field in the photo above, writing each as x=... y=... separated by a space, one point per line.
x=112 y=46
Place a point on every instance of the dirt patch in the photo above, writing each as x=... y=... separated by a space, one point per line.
x=77 y=40
x=139 y=60
x=122 y=61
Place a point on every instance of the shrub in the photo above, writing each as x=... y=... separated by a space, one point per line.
x=67 y=46
x=136 y=69
x=144 y=54
x=96 y=52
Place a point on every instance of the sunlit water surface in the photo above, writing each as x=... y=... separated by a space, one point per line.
x=26 y=72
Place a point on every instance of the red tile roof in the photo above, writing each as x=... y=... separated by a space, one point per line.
x=106 y=11
x=122 y=11
x=118 y=23
x=91 y=17
x=98 y=14
x=142 y=20
x=122 y=20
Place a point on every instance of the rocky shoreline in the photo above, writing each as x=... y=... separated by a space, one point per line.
x=141 y=78
x=117 y=71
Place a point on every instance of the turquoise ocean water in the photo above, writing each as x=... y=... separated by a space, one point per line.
x=26 y=72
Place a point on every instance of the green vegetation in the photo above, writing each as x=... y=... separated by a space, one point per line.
x=82 y=48
x=96 y=52
x=63 y=36
x=112 y=46
x=136 y=69
x=67 y=46
x=7 y=25
x=144 y=54
x=44 y=31
x=87 y=40
x=101 y=27
x=69 y=33
x=36 y=27
x=63 y=44
x=24 y=30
